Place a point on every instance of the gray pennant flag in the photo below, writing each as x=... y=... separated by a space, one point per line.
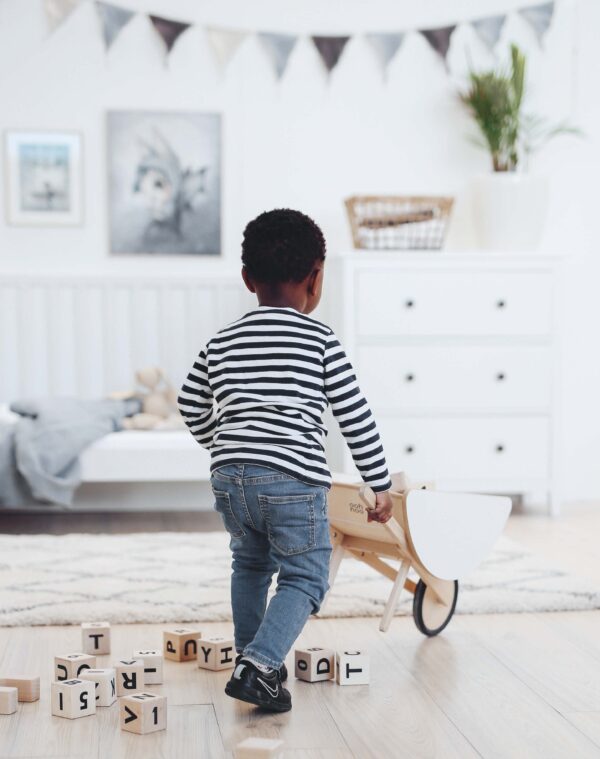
x=539 y=18
x=385 y=46
x=279 y=48
x=330 y=49
x=489 y=29
x=113 y=19
x=439 y=39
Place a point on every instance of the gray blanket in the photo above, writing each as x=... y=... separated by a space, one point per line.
x=39 y=454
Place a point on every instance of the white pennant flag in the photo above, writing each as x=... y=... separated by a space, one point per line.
x=539 y=18
x=57 y=11
x=385 y=46
x=225 y=43
x=489 y=30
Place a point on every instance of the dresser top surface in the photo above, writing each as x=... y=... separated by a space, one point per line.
x=448 y=257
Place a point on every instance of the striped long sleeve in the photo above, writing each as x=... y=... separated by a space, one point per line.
x=196 y=403
x=354 y=417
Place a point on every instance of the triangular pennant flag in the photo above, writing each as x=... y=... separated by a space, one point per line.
x=169 y=30
x=386 y=46
x=279 y=48
x=439 y=39
x=57 y=11
x=330 y=49
x=539 y=18
x=225 y=43
x=489 y=30
x=113 y=19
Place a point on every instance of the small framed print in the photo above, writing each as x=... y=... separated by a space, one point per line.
x=44 y=178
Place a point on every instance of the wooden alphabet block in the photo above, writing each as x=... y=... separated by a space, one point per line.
x=105 y=683
x=28 y=688
x=143 y=713
x=259 y=748
x=216 y=653
x=352 y=668
x=73 y=698
x=8 y=699
x=130 y=676
x=153 y=665
x=95 y=637
x=69 y=666
x=181 y=643
x=314 y=664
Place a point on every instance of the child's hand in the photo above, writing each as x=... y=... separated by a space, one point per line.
x=382 y=511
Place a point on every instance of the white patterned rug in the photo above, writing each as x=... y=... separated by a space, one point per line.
x=184 y=577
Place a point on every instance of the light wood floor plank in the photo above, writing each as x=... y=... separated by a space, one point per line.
x=588 y=723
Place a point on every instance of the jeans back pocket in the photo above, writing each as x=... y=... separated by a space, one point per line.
x=290 y=521
x=223 y=506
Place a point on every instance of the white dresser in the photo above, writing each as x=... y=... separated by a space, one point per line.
x=457 y=355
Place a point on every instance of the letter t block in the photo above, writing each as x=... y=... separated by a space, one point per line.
x=95 y=638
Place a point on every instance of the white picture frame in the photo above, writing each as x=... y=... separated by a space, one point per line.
x=43 y=171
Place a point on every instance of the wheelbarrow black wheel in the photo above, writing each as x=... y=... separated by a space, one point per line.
x=433 y=611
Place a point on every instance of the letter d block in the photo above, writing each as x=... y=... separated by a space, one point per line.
x=153 y=665
x=314 y=664
x=8 y=700
x=69 y=666
x=143 y=713
x=216 y=653
x=105 y=683
x=130 y=676
x=73 y=698
x=95 y=638
x=181 y=643
x=259 y=748
x=352 y=668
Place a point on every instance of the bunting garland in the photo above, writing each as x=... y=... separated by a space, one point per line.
x=385 y=46
x=489 y=30
x=58 y=11
x=113 y=19
x=224 y=43
x=168 y=30
x=330 y=49
x=278 y=48
x=539 y=18
x=439 y=39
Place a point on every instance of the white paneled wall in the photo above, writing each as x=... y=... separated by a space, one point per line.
x=87 y=336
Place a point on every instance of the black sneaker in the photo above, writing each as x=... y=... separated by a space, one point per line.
x=263 y=689
x=283 y=673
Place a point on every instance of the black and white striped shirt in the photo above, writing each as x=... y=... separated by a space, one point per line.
x=272 y=374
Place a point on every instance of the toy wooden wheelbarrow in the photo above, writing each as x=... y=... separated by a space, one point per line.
x=442 y=536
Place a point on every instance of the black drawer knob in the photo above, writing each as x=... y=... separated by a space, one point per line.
x=501 y=303
x=500 y=448
x=409 y=449
x=501 y=376
x=409 y=377
x=409 y=303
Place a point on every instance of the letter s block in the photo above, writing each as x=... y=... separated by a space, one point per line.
x=314 y=664
x=95 y=638
x=73 y=698
x=216 y=653
x=181 y=643
x=130 y=676
x=143 y=713
x=352 y=668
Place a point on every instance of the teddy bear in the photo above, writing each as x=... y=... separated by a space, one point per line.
x=159 y=402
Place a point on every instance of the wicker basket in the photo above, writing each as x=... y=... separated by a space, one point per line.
x=398 y=222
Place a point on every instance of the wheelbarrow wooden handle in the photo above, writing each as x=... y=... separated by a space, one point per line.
x=392 y=525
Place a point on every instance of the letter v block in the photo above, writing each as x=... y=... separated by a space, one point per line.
x=73 y=698
x=95 y=638
x=130 y=676
x=314 y=664
x=143 y=713
x=105 y=682
x=181 y=643
x=216 y=653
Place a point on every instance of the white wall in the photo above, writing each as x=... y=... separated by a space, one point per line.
x=307 y=142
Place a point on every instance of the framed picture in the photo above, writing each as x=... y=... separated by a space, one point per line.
x=43 y=178
x=164 y=182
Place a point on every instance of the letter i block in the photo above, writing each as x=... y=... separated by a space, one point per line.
x=69 y=666
x=352 y=668
x=314 y=664
x=95 y=637
x=130 y=676
x=105 y=683
x=259 y=748
x=143 y=713
x=153 y=666
x=216 y=653
x=8 y=700
x=181 y=643
x=73 y=698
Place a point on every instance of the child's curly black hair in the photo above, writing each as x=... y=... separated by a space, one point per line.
x=282 y=246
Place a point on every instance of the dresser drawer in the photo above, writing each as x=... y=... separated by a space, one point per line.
x=423 y=378
x=395 y=302
x=461 y=448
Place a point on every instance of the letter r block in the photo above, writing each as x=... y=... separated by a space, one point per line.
x=352 y=668
x=130 y=676
x=314 y=664
x=181 y=643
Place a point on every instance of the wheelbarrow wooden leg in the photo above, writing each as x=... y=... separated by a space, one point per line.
x=392 y=601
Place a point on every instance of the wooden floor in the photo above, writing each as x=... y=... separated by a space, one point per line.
x=518 y=685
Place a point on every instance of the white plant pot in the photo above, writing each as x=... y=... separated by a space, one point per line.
x=510 y=210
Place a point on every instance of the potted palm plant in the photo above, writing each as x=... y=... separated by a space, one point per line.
x=510 y=204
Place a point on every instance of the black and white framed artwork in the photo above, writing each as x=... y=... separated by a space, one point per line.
x=164 y=182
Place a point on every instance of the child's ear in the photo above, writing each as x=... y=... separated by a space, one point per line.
x=247 y=280
x=314 y=281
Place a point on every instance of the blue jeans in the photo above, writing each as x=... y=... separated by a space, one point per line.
x=276 y=524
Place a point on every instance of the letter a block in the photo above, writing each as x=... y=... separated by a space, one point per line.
x=153 y=666
x=8 y=700
x=95 y=637
x=216 y=653
x=130 y=676
x=28 y=688
x=105 y=683
x=143 y=713
x=314 y=664
x=73 y=698
x=352 y=668
x=181 y=643
x=259 y=748
x=69 y=666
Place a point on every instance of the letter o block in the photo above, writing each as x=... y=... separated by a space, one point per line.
x=352 y=668
x=314 y=664
x=143 y=713
x=216 y=653
x=95 y=638
x=130 y=676
x=181 y=643
x=73 y=698
x=70 y=666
